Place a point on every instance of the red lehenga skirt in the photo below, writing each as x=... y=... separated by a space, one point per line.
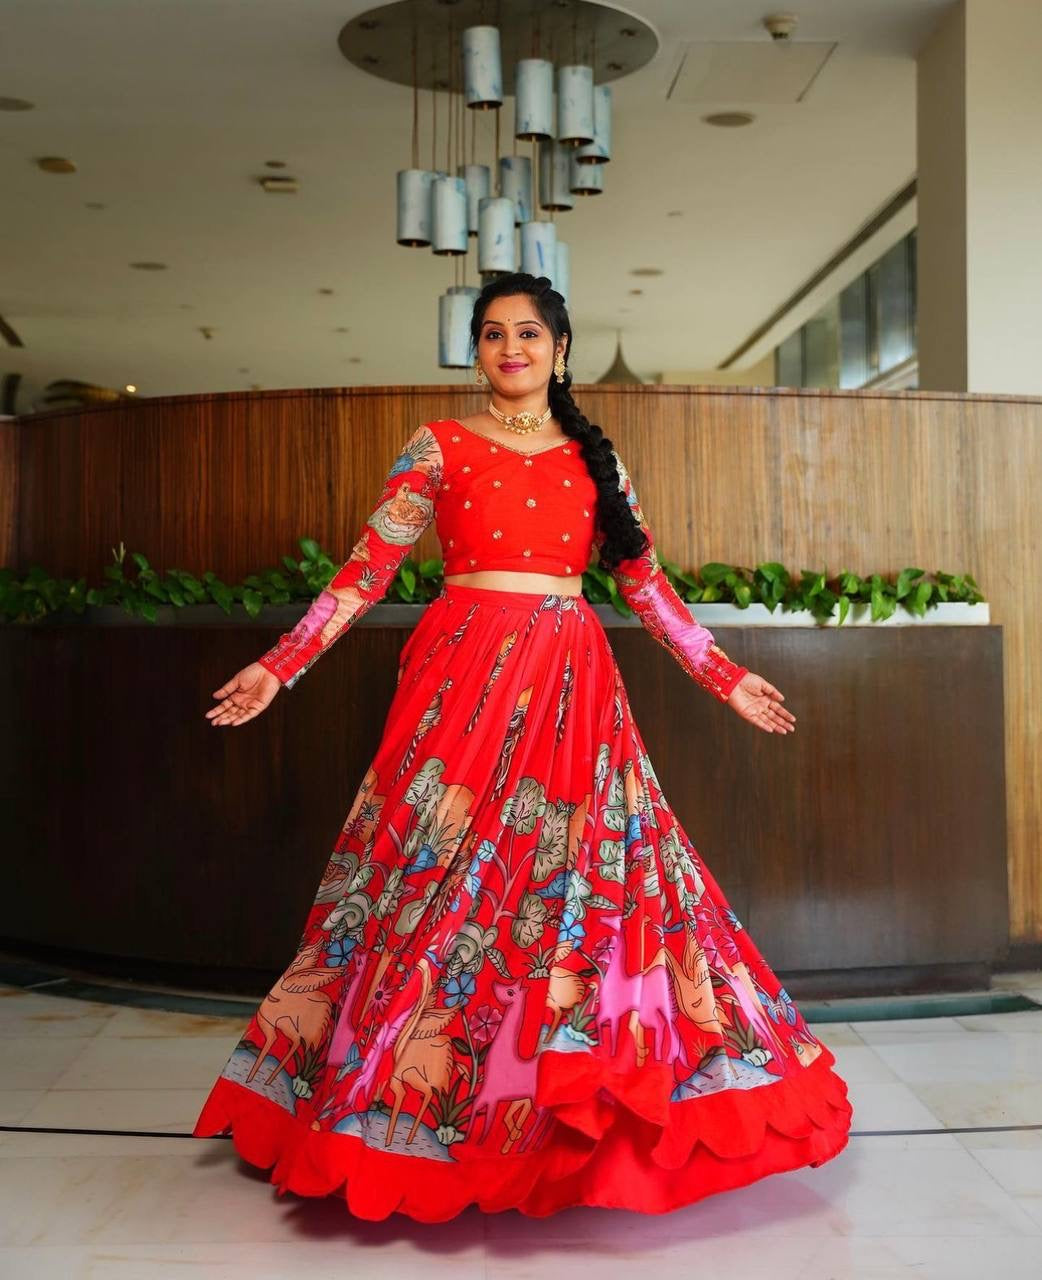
x=519 y=985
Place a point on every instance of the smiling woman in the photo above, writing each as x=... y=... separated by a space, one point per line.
x=519 y=986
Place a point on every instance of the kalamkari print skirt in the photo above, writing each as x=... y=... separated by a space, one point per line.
x=519 y=985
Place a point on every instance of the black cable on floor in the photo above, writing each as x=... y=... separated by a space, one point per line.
x=161 y=1133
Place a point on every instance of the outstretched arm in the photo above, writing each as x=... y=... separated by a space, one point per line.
x=646 y=589
x=404 y=509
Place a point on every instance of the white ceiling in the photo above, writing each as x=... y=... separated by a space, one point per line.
x=169 y=109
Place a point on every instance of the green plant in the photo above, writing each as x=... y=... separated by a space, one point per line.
x=140 y=590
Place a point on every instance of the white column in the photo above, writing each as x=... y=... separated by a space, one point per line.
x=979 y=123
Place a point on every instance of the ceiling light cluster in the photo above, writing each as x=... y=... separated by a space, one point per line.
x=562 y=108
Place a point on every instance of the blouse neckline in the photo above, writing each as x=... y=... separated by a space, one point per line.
x=525 y=453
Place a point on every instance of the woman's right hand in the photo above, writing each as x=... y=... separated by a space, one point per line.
x=244 y=696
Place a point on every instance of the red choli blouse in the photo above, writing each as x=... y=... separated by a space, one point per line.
x=504 y=508
x=496 y=507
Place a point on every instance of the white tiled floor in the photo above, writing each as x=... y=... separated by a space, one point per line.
x=944 y=1206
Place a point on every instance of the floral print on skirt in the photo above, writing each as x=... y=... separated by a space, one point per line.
x=519 y=985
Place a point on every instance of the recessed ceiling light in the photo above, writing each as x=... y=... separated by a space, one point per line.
x=729 y=119
x=130 y=387
x=675 y=213
x=325 y=290
x=16 y=104
x=636 y=292
x=354 y=359
x=276 y=184
x=275 y=164
x=93 y=204
x=246 y=370
x=149 y=266
x=646 y=271
x=342 y=329
x=56 y=164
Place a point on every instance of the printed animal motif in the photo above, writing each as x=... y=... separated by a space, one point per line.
x=422 y=1054
x=296 y=1008
x=641 y=999
x=507 y=1076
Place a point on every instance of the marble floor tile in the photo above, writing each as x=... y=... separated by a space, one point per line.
x=15 y=1104
x=894 y=1030
x=29 y=1013
x=175 y=1110
x=1007 y=1138
x=834 y=1033
x=998 y=1057
x=331 y=1259
x=889 y=1105
x=129 y=1021
x=57 y=1146
x=982 y=1103
x=209 y=1196
x=1013 y=1020
x=36 y=1062
x=154 y=1062
x=831 y=1258
x=861 y=1064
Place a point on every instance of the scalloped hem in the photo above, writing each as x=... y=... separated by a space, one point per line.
x=647 y=1156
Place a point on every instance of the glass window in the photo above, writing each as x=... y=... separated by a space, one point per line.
x=788 y=361
x=822 y=347
x=853 y=334
x=893 y=306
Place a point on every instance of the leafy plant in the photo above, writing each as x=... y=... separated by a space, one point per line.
x=131 y=583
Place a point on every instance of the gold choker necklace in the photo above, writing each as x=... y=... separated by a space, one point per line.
x=523 y=423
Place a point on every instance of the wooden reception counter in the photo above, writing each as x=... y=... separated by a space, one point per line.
x=864 y=852
x=873 y=846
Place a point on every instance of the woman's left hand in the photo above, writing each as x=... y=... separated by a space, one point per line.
x=758 y=701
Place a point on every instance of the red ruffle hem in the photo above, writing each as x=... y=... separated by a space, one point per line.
x=520 y=986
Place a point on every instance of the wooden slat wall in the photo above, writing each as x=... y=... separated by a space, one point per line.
x=870 y=481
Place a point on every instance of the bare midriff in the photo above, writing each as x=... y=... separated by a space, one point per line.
x=520 y=580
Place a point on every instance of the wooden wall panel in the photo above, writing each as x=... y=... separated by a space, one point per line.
x=865 y=480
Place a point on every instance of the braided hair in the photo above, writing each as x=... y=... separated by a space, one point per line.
x=623 y=538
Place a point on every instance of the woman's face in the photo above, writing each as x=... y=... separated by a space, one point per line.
x=513 y=334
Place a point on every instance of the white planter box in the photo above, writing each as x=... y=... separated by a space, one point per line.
x=957 y=614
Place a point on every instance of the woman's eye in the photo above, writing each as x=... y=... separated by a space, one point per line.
x=494 y=333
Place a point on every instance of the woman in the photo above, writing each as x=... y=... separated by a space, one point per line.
x=519 y=985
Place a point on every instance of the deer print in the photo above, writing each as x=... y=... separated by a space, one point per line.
x=566 y=989
x=422 y=1054
x=639 y=998
x=692 y=984
x=508 y=1077
x=297 y=1008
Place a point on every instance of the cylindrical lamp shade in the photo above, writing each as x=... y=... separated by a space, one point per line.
x=496 y=249
x=555 y=176
x=455 y=308
x=575 y=105
x=599 y=150
x=478 y=180
x=515 y=183
x=584 y=179
x=562 y=276
x=414 y=206
x=533 y=99
x=449 y=215
x=539 y=249
x=482 y=68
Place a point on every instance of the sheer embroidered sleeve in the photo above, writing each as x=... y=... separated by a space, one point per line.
x=405 y=507
x=646 y=589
